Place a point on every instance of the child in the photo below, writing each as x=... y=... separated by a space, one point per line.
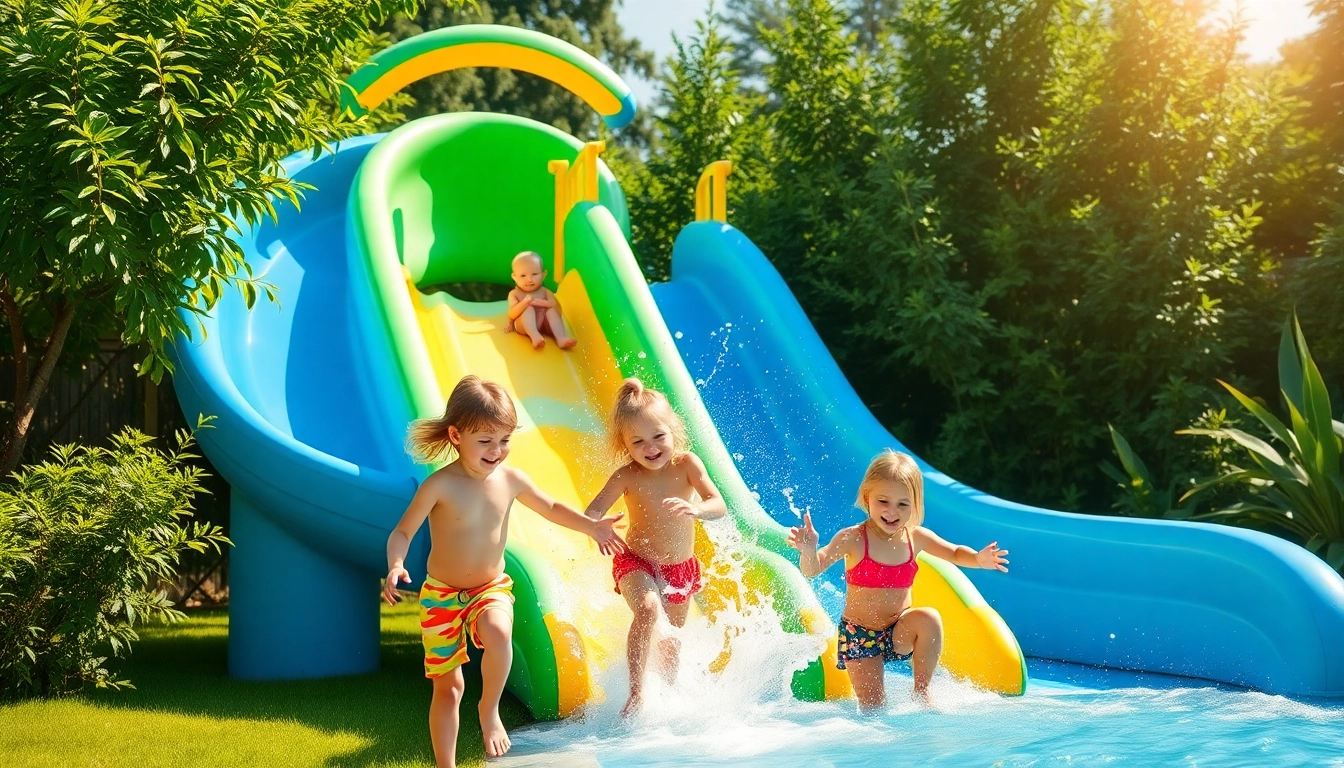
x=657 y=573
x=531 y=294
x=467 y=503
x=878 y=624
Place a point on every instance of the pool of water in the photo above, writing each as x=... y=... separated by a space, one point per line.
x=741 y=713
x=1070 y=716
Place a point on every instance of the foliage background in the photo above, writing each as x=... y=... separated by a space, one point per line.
x=1016 y=221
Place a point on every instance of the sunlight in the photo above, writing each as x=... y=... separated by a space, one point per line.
x=1271 y=23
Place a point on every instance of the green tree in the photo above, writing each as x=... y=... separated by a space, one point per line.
x=705 y=118
x=1313 y=217
x=855 y=226
x=136 y=137
x=589 y=24
x=1101 y=164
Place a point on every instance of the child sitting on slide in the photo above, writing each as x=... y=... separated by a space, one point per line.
x=466 y=592
x=879 y=624
x=533 y=309
x=657 y=572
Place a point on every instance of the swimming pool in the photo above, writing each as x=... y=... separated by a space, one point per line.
x=1070 y=716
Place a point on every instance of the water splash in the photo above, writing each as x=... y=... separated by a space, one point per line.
x=727 y=329
x=788 y=496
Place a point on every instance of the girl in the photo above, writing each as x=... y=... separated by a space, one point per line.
x=466 y=593
x=657 y=573
x=879 y=624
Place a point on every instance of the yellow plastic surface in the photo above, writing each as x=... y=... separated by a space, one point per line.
x=498 y=55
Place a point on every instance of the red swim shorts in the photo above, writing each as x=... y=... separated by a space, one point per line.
x=678 y=581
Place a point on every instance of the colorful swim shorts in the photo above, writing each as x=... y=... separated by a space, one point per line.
x=859 y=642
x=677 y=581
x=445 y=611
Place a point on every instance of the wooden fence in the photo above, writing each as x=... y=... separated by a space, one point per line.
x=99 y=399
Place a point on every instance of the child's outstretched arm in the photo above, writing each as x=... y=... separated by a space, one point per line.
x=610 y=494
x=711 y=506
x=990 y=558
x=812 y=561
x=601 y=530
x=399 y=542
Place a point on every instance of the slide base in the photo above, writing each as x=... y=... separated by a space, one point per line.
x=329 y=629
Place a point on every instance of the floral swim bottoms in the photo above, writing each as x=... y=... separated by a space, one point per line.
x=448 y=617
x=859 y=642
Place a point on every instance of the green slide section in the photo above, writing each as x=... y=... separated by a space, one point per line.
x=453 y=198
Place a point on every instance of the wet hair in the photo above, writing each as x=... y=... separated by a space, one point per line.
x=890 y=465
x=530 y=255
x=634 y=401
x=475 y=405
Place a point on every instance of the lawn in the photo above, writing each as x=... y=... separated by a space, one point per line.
x=185 y=710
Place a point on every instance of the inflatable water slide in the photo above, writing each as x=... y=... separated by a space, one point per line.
x=312 y=395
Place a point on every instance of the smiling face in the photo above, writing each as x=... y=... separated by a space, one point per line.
x=528 y=273
x=890 y=505
x=481 y=451
x=649 y=440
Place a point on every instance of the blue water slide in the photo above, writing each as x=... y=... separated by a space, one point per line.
x=1189 y=599
x=317 y=484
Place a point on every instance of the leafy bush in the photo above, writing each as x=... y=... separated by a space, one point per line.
x=86 y=540
x=1142 y=497
x=1301 y=491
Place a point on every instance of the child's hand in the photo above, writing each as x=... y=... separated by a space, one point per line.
x=804 y=537
x=390 y=586
x=540 y=303
x=675 y=506
x=992 y=558
x=608 y=542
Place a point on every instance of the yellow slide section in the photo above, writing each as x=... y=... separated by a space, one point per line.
x=561 y=444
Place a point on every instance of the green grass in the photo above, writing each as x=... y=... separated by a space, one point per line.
x=186 y=710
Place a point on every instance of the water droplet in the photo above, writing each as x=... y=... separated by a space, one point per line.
x=678 y=334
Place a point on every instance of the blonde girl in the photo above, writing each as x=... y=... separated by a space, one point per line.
x=879 y=624
x=666 y=489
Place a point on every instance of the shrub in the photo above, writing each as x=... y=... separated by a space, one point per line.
x=87 y=538
x=1301 y=491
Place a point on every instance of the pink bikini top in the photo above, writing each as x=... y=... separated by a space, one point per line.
x=870 y=573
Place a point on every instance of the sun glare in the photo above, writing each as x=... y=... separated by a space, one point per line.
x=1270 y=24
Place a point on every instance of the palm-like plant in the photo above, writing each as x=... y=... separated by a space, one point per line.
x=1143 y=497
x=1302 y=490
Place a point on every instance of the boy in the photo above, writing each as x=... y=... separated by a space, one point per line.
x=466 y=592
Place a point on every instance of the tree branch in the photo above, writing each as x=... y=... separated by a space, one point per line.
x=24 y=408
x=15 y=317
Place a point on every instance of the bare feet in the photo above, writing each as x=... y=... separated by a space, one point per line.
x=921 y=697
x=538 y=342
x=494 y=736
x=568 y=343
x=632 y=704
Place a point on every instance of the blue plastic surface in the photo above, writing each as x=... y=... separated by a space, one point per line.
x=314 y=491
x=1198 y=600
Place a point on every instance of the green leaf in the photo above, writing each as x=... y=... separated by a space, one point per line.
x=1334 y=555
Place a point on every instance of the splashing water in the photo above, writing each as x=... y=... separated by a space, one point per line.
x=727 y=329
x=743 y=714
x=1119 y=719
x=788 y=496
